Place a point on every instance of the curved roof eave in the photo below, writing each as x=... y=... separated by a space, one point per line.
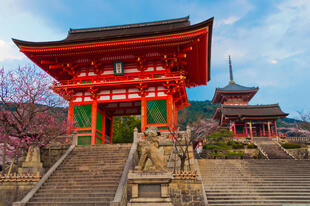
x=208 y=22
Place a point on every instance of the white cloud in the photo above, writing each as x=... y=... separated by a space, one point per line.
x=231 y=20
x=274 y=61
x=8 y=51
x=18 y=22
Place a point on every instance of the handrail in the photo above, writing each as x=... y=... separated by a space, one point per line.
x=123 y=181
x=286 y=151
x=200 y=178
x=116 y=79
x=261 y=150
x=37 y=186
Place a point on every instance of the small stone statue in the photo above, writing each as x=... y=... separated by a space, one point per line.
x=32 y=164
x=150 y=150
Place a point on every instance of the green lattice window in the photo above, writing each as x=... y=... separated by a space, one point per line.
x=98 y=141
x=84 y=140
x=82 y=115
x=156 y=112
x=99 y=121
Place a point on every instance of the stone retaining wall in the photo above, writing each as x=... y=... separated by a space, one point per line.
x=49 y=156
x=186 y=192
x=13 y=191
x=300 y=154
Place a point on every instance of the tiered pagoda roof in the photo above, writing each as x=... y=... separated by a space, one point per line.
x=272 y=111
x=229 y=110
x=232 y=89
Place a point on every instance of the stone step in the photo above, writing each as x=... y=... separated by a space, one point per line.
x=260 y=193
x=101 y=161
x=249 y=178
x=73 y=203
x=111 y=169
x=260 y=176
x=116 y=155
x=94 y=189
x=85 y=173
x=90 y=178
x=109 y=194
x=249 y=204
x=88 y=175
x=258 y=197
x=86 y=184
x=85 y=167
x=255 y=174
x=78 y=187
x=96 y=157
x=84 y=181
x=69 y=199
x=256 y=186
x=264 y=181
x=234 y=168
x=238 y=201
x=258 y=182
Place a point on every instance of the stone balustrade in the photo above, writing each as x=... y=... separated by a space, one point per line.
x=24 y=177
x=185 y=175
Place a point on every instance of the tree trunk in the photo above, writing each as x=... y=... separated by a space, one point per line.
x=4 y=155
x=183 y=158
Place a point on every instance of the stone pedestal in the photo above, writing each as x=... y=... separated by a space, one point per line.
x=32 y=163
x=149 y=189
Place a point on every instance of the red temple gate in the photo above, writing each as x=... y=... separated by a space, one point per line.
x=138 y=69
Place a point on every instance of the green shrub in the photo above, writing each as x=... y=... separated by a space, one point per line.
x=251 y=146
x=217 y=146
x=240 y=154
x=236 y=145
x=290 y=145
x=223 y=135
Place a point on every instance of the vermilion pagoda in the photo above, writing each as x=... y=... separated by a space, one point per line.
x=136 y=69
x=245 y=120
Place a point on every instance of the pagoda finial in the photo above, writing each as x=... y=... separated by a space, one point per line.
x=230 y=72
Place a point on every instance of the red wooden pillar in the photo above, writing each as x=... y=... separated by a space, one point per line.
x=103 y=126
x=246 y=128
x=70 y=117
x=169 y=111
x=230 y=126
x=275 y=127
x=251 y=132
x=269 y=131
x=111 y=134
x=93 y=122
x=143 y=114
x=264 y=132
x=235 y=131
x=175 y=116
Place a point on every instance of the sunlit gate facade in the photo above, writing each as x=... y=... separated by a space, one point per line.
x=138 y=69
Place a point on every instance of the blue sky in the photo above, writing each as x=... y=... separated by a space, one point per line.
x=269 y=40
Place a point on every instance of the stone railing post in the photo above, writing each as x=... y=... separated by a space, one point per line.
x=74 y=138
x=135 y=135
x=188 y=131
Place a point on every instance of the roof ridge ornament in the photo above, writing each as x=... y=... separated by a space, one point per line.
x=230 y=72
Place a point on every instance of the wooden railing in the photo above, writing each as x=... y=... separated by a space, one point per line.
x=298 y=139
x=20 y=177
x=116 y=79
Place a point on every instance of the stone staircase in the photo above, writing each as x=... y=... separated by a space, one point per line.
x=271 y=148
x=88 y=176
x=256 y=182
